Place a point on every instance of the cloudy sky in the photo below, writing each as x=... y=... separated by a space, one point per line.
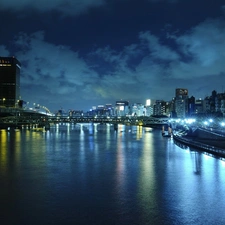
x=79 y=53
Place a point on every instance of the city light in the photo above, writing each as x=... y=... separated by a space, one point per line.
x=148 y=102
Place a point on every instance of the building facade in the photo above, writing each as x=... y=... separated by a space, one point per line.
x=9 y=81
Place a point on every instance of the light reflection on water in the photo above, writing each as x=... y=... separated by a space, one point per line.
x=147 y=181
x=91 y=174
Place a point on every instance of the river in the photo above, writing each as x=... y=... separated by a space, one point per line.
x=92 y=174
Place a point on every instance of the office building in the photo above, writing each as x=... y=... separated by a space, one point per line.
x=9 y=81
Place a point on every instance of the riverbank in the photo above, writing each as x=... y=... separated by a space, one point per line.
x=203 y=140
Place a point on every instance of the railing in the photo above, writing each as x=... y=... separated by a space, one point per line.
x=198 y=145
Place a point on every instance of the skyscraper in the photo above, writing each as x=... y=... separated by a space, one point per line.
x=9 y=81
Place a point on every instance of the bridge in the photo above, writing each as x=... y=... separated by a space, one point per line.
x=20 y=118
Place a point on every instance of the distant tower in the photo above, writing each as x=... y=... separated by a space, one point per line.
x=9 y=81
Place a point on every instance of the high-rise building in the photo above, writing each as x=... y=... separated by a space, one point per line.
x=122 y=108
x=199 y=106
x=181 y=102
x=191 y=106
x=138 y=109
x=159 y=108
x=9 y=81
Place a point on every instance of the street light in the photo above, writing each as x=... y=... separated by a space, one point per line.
x=3 y=100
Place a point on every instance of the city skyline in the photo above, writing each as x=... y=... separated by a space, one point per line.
x=86 y=53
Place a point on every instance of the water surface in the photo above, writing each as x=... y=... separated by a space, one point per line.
x=91 y=174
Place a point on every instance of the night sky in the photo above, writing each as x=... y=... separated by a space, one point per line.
x=76 y=54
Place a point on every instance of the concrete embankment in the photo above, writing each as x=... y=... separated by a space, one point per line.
x=205 y=140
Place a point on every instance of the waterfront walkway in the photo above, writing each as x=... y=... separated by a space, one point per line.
x=212 y=145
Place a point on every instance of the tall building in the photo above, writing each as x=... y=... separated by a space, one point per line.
x=191 y=106
x=158 y=108
x=199 y=106
x=181 y=102
x=9 y=81
x=138 y=109
x=149 y=107
x=109 y=110
x=122 y=108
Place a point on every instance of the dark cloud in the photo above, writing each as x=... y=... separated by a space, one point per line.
x=205 y=43
x=4 y=51
x=68 y=7
x=158 y=50
x=223 y=8
x=62 y=72
x=170 y=1
x=150 y=65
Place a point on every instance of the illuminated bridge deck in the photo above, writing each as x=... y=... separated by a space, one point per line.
x=41 y=119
